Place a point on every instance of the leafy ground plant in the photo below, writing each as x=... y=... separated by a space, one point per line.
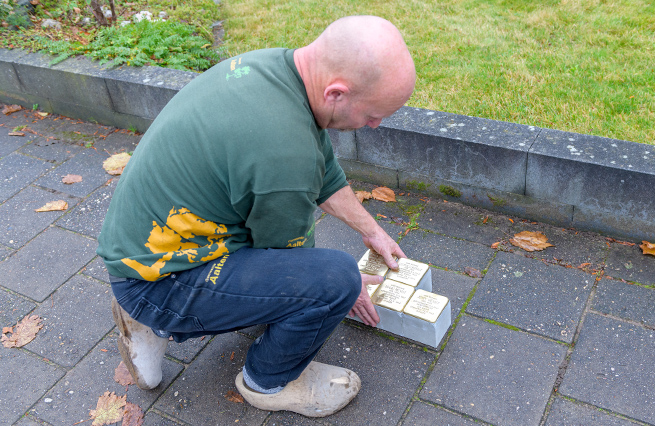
x=174 y=34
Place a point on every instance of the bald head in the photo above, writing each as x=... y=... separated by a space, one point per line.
x=357 y=58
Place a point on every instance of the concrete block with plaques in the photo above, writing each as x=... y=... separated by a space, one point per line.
x=405 y=302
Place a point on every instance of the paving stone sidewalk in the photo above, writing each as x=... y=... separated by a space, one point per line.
x=559 y=337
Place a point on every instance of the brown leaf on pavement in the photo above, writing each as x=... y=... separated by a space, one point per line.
x=16 y=134
x=383 y=193
x=109 y=409
x=362 y=195
x=495 y=245
x=647 y=248
x=133 y=415
x=530 y=241
x=122 y=375
x=69 y=179
x=10 y=109
x=115 y=164
x=53 y=206
x=24 y=332
x=472 y=272
x=234 y=397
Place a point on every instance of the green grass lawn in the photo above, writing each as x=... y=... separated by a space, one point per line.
x=585 y=66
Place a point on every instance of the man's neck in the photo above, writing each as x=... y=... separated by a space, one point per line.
x=305 y=61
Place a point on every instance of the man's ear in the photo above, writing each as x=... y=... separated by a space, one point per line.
x=336 y=92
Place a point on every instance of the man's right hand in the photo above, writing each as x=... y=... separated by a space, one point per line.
x=364 y=308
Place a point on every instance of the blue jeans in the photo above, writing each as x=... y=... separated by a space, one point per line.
x=301 y=293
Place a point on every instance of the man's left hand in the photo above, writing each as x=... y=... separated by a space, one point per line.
x=364 y=308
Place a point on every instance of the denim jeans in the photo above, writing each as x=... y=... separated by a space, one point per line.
x=301 y=293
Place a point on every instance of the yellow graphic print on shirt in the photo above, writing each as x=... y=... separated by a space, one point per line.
x=172 y=240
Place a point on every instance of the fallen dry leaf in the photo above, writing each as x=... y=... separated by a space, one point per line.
x=234 y=397
x=10 y=109
x=495 y=245
x=383 y=193
x=122 y=375
x=530 y=241
x=362 y=195
x=69 y=179
x=43 y=114
x=109 y=409
x=647 y=248
x=16 y=134
x=24 y=332
x=115 y=164
x=53 y=206
x=472 y=272
x=232 y=356
x=6 y=330
x=132 y=415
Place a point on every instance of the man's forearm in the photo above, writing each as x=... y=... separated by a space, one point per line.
x=344 y=205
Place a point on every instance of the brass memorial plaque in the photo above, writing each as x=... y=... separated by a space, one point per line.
x=371 y=289
x=409 y=272
x=426 y=306
x=392 y=295
x=373 y=264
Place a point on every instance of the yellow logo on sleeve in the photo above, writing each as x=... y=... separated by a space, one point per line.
x=173 y=240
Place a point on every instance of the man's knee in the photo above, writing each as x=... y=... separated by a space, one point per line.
x=342 y=277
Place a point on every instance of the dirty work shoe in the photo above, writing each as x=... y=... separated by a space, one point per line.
x=142 y=351
x=320 y=390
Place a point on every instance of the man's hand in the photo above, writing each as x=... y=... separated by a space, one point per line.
x=363 y=306
x=344 y=205
x=385 y=246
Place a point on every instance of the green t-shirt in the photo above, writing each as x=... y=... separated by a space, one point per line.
x=234 y=159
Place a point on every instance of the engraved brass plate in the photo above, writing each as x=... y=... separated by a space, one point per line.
x=409 y=272
x=372 y=264
x=426 y=306
x=371 y=289
x=392 y=295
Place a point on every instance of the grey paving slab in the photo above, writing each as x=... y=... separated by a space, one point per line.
x=4 y=252
x=46 y=262
x=379 y=362
x=77 y=316
x=88 y=217
x=498 y=375
x=405 y=207
x=629 y=263
x=456 y=287
x=26 y=421
x=19 y=223
x=88 y=164
x=625 y=300
x=13 y=308
x=97 y=270
x=50 y=149
x=469 y=223
x=529 y=294
x=197 y=397
x=570 y=246
x=119 y=141
x=333 y=233
x=565 y=413
x=154 y=419
x=612 y=368
x=18 y=171
x=255 y=331
x=426 y=415
x=187 y=351
x=78 y=392
x=446 y=252
x=9 y=144
x=286 y=418
x=25 y=378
